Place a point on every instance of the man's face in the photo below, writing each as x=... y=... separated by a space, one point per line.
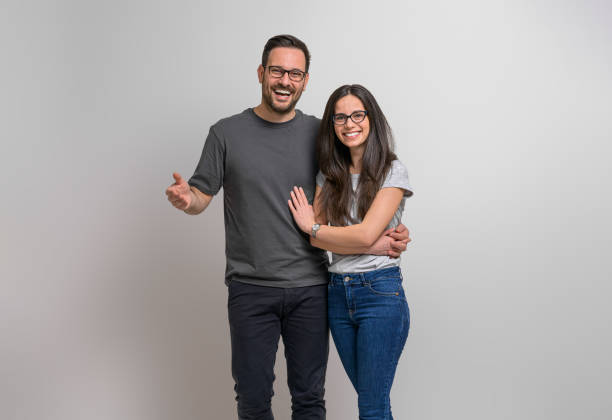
x=281 y=93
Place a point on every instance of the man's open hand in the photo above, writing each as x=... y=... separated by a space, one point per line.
x=179 y=193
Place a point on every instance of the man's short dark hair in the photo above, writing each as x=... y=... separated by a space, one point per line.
x=288 y=41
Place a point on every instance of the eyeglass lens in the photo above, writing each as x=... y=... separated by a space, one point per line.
x=357 y=117
x=278 y=72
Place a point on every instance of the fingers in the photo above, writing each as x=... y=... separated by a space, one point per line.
x=179 y=194
x=396 y=236
x=177 y=198
x=400 y=236
x=294 y=199
x=179 y=188
x=179 y=203
x=303 y=196
x=177 y=177
x=172 y=192
x=300 y=196
x=399 y=246
x=393 y=254
x=291 y=207
x=400 y=233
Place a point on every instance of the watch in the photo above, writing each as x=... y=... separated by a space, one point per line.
x=315 y=229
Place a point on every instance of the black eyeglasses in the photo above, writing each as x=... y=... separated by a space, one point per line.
x=356 y=116
x=294 y=74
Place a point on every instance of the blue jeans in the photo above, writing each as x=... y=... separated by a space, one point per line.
x=369 y=319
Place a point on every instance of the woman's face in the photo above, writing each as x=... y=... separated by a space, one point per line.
x=351 y=134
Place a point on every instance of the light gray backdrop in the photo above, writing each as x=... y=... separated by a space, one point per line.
x=112 y=303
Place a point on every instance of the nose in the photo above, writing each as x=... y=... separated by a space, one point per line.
x=285 y=80
x=349 y=123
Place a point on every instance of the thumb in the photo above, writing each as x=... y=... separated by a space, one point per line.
x=388 y=231
x=178 y=178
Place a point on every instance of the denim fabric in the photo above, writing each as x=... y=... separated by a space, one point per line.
x=369 y=320
x=258 y=317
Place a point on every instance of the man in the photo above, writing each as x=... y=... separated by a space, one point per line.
x=277 y=282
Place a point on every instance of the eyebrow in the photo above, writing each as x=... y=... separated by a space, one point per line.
x=281 y=67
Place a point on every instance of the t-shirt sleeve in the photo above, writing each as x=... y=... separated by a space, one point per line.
x=320 y=179
x=398 y=178
x=208 y=175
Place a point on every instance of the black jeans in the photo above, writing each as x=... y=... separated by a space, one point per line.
x=258 y=316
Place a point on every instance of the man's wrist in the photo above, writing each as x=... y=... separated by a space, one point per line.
x=190 y=206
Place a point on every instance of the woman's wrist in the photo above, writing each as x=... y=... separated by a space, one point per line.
x=314 y=229
x=307 y=227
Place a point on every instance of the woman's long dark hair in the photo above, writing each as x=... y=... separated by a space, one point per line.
x=335 y=160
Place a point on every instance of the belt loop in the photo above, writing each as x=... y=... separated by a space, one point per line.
x=364 y=280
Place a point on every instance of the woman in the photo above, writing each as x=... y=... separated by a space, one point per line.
x=360 y=192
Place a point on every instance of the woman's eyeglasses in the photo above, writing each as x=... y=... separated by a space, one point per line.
x=356 y=116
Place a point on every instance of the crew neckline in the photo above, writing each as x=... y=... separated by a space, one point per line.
x=298 y=115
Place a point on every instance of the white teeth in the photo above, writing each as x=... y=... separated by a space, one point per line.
x=352 y=134
x=282 y=92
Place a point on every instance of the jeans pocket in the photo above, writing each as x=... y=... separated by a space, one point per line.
x=386 y=287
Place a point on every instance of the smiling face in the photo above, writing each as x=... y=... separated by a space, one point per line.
x=281 y=94
x=352 y=135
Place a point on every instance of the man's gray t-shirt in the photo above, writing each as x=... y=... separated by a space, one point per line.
x=360 y=263
x=257 y=163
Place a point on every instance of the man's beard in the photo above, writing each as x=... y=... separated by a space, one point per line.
x=268 y=91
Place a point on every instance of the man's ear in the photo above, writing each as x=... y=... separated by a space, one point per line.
x=305 y=81
x=260 y=73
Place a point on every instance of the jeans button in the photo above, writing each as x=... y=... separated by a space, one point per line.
x=347 y=278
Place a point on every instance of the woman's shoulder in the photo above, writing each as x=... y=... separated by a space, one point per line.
x=397 y=169
x=397 y=166
x=398 y=177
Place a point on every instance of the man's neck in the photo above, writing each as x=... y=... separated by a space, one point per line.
x=264 y=112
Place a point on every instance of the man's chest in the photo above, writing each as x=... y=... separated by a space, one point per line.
x=279 y=159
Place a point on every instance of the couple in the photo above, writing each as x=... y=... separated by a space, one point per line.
x=280 y=281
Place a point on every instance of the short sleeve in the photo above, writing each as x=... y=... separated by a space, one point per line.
x=320 y=179
x=208 y=175
x=398 y=178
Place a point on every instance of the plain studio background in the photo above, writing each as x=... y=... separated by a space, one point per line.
x=112 y=303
